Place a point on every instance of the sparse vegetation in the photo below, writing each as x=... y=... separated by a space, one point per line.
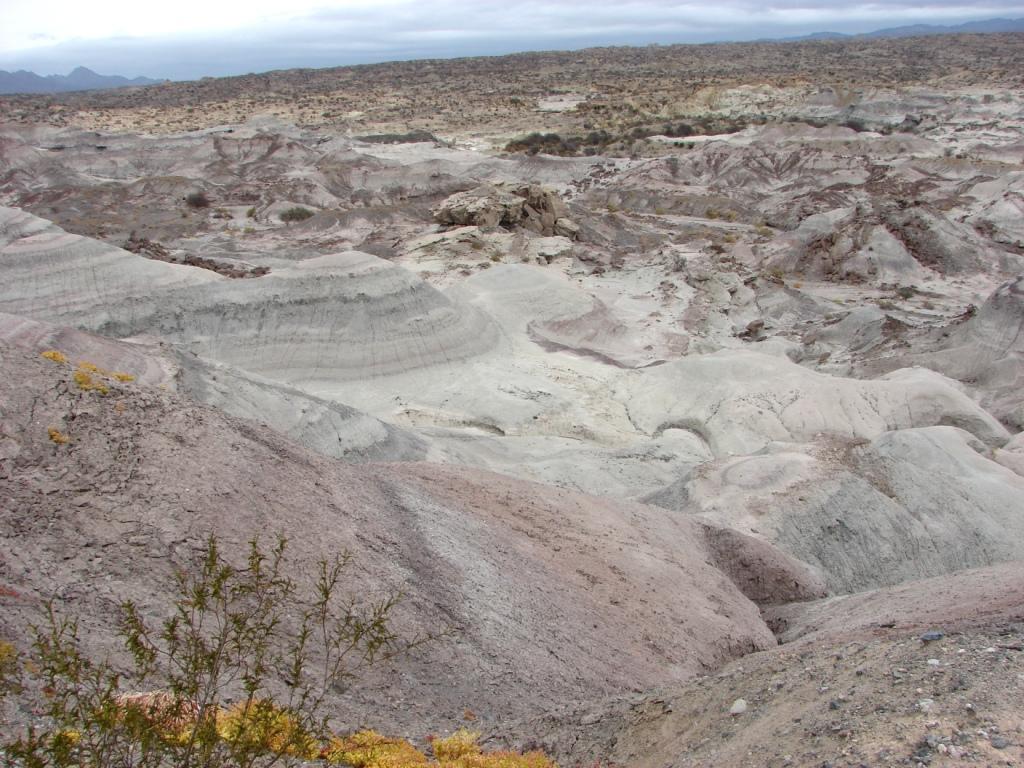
x=58 y=437
x=197 y=200
x=369 y=749
x=87 y=382
x=234 y=633
x=10 y=669
x=298 y=213
x=89 y=377
x=555 y=144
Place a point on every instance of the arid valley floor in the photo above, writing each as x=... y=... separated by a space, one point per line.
x=656 y=378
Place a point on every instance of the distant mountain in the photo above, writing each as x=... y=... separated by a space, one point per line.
x=976 y=27
x=916 y=30
x=79 y=79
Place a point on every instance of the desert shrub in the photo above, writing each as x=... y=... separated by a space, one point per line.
x=10 y=669
x=458 y=745
x=89 y=377
x=678 y=131
x=298 y=213
x=906 y=291
x=369 y=749
x=87 y=382
x=233 y=633
x=197 y=200
x=556 y=144
x=57 y=437
x=261 y=726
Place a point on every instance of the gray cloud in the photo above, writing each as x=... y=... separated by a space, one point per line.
x=443 y=28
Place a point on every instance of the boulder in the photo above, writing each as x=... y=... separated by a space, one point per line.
x=530 y=206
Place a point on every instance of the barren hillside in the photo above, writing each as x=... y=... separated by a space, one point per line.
x=657 y=378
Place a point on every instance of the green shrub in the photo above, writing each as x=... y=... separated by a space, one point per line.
x=298 y=213
x=197 y=200
x=234 y=632
x=228 y=639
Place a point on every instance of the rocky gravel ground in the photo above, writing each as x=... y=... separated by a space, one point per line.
x=888 y=699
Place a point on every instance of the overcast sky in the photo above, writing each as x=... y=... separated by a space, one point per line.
x=192 y=38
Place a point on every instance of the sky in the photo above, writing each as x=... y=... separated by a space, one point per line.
x=186 y=39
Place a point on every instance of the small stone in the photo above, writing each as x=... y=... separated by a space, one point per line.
x=738 y=707
x=932 y=635
x=999 y=742
x=925 y=705
x=934 y=663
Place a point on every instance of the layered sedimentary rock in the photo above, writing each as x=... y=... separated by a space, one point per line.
x=569 y=585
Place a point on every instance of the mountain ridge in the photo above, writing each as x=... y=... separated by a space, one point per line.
x=985 y=26
x=81 y=78
x=78 y=79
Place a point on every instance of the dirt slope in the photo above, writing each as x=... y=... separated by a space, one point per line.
x=551 y=596
x=860 y=683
